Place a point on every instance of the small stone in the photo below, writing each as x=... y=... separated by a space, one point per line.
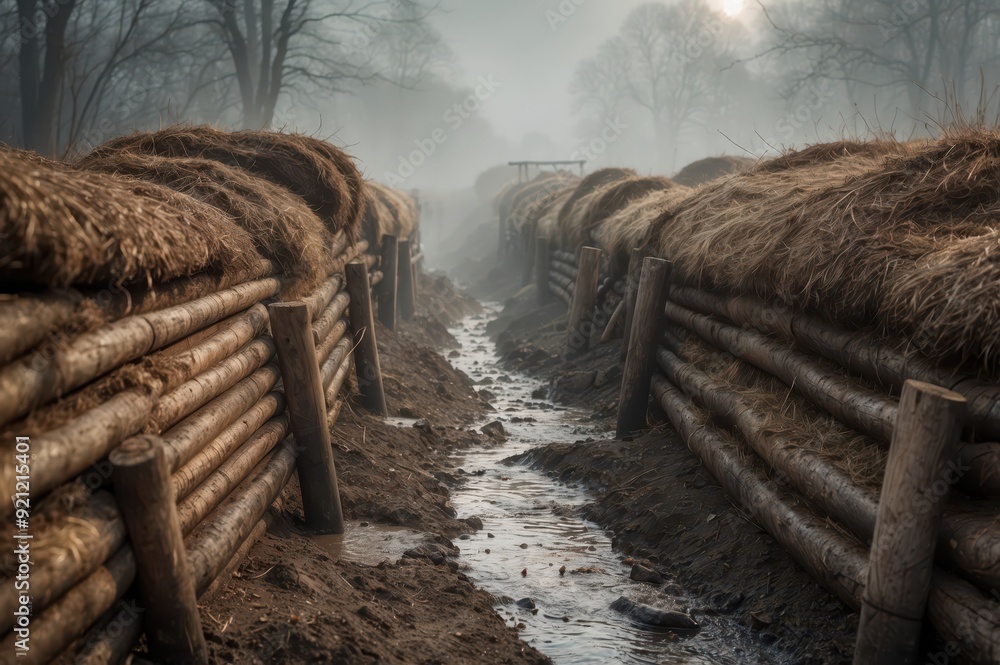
x=487 y=395
x=474 y=522
x=760 y=620
x=576 y=382
x=487 y=550
x=495 y=431
x=644 y=574
x=562 y=570
x=490 y=535
x=539 y=393
x=524 y=546
x=525 y=603
x=524 y=572
x=455 y=354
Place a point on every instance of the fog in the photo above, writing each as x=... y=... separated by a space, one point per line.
x=427 y=95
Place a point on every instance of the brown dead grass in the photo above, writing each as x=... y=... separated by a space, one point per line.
x=324 y=176
x=62 y=226
x=712 y=168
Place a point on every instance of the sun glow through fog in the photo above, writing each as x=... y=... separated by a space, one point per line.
x=732 y=7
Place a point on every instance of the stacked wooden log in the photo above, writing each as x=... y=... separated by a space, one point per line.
x=156 y=323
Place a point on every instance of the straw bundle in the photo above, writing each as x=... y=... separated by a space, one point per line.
x=322 y=175
x=401 y=207
x=629 y=226
x=711 y=168
x=60 y=226
x=549 y=219
x=571 y=227
x=530 y=202
x=282 y=227
x=902 y=237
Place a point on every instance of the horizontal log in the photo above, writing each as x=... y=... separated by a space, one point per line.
x=860 y=353
x=564 y=269
x=331 y=315
x=219 y=536
x=272 y=405
x=958 y=611
x=567 y=284
x=417 y=258
x=566 y=257
x=561 y=293
x=38 y=378
x=192 y=395
x=217 y=486
x=335 y=359
x=70 y=449
x=333 y=339
x=76 y=611
x=332 y=390
x=321 y=297
x=376 y=279
x=219 y=584
x=72 y=549
x=865 y=410
x=30 y=319
x=191 y=435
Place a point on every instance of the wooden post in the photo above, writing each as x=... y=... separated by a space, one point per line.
x=584 y=301
x=146 y=499
x=914 y=493
x=407 y=296
x=293 y=339
x=531 y=240
x=631 y=291
x=542 y=259
x=646 y=327
x=388 y=288
x=366 y=362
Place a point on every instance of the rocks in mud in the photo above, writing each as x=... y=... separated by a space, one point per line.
x=474 y=522
x=606 y=376
x=525 y=603
x=576 y=382
x=724 y=603
x=487 y=395
x=655 y=617
x=495 y=431
x=436 y=553
x=539 y=393
x=641 y=573
x=455 y=354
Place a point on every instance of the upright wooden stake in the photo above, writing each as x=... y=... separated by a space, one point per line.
x=366 y=362
x=631 y=291
x=166 y=587
x=542 y=259
x=584 y=301
x=407 y=295
x=303 y=385
x=914 y=493
x=646 y=327
x=390 y=280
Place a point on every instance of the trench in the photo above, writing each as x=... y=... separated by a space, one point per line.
x=535 y=548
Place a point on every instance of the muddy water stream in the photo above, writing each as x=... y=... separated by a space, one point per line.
x=531 y=531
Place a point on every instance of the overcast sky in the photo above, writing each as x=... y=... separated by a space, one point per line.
x=515 y=41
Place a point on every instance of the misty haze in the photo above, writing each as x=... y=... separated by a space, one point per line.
x=482 y=331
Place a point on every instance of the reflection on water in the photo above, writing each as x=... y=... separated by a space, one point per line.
x=533 y=548
x=370 y=544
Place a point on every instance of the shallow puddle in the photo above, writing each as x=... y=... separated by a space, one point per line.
x=370 y=544
x=533 y=548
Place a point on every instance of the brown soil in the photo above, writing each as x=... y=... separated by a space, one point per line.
x=662 y=505
x=291 y=601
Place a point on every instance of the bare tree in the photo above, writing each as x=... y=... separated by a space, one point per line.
x=279 y=46
x=916 y=50
x=669 y=60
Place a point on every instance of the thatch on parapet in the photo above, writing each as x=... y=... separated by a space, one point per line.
x=401 y=209
x=529 y=202
x=548 y=220
x=280 y=224
x=571 y=225
x=61 y=226
x=711 y=168
x=324 y=176
x=506 y=199
x=628 y=227
x=901 y=237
